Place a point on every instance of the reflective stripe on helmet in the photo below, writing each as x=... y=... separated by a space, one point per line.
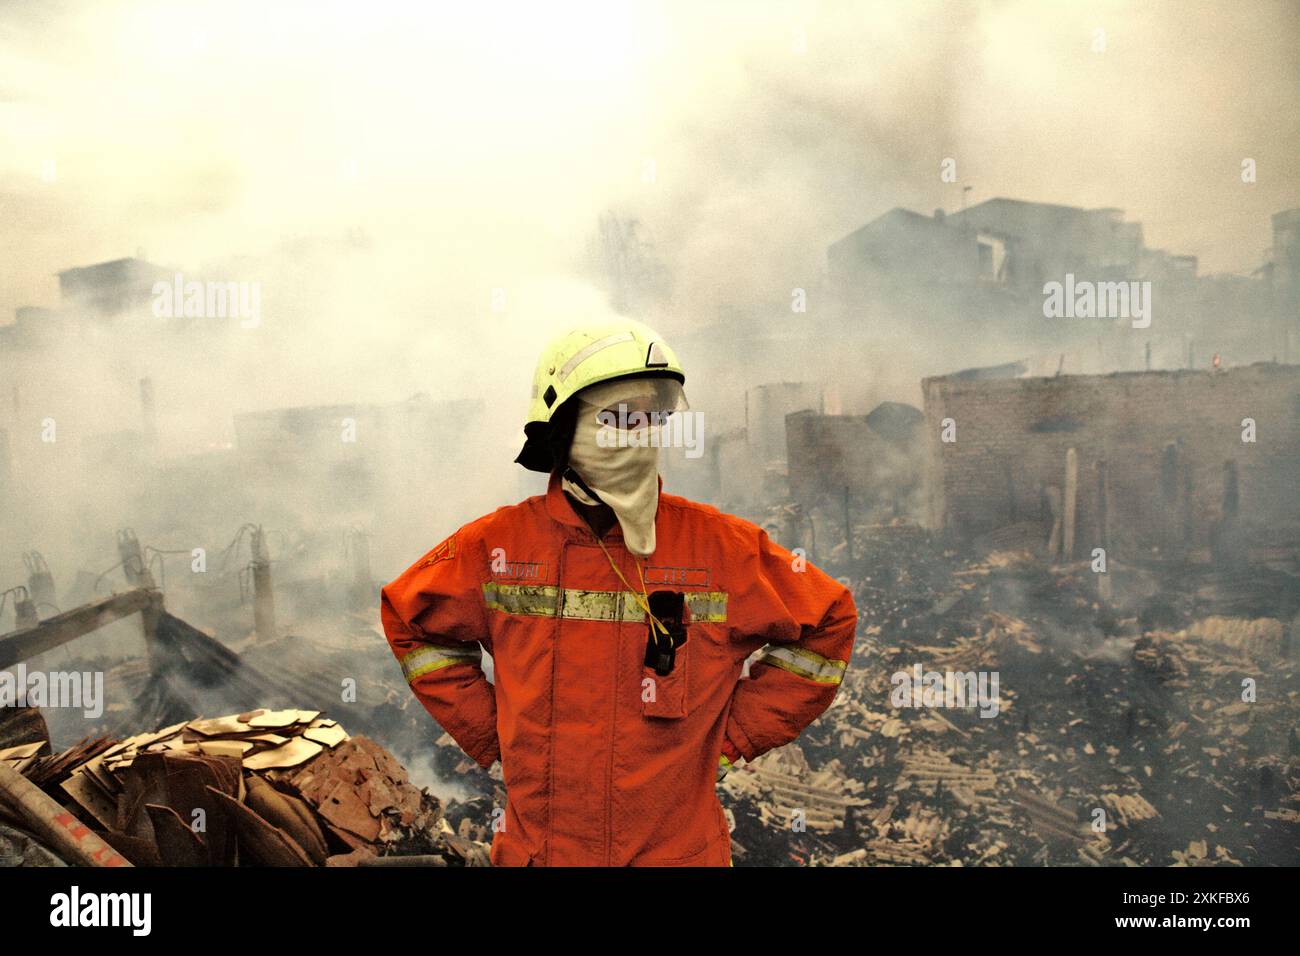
x=585 y=353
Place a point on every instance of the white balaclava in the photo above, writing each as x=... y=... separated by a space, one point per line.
x=615 y=451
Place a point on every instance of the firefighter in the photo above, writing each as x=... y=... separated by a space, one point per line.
x=619 y=620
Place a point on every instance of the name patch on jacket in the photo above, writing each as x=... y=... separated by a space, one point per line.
x=677 y=577
x=516 y=570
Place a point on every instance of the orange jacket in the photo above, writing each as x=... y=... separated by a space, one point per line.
x=605 y=762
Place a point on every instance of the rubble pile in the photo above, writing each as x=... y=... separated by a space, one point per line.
x=1121 y=736
x=783 y=785
x=264 y=787
x=1145 y=716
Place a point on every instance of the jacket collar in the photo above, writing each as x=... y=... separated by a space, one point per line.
x=560 y=509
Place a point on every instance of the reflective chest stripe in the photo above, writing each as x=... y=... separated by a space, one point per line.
x=541 y=600
x=804 y=663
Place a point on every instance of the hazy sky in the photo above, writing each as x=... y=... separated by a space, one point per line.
x=477 y=143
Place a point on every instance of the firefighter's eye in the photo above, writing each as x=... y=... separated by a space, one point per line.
x=630 y=417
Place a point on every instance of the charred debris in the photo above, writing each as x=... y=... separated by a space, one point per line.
x=1075 y=647
x=269 y=784
x=1078 y=597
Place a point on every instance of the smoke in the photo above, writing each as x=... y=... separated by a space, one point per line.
x=811 y=119
x=415 y=188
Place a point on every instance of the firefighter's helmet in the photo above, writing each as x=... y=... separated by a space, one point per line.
x=587 y=356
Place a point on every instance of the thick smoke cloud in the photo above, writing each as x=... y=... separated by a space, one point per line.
x=416 y=189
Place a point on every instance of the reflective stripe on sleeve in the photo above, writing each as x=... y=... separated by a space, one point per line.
x=725 y=766
x=805 y=663
x=429 y=658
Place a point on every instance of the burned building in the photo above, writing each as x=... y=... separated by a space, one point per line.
x=109 y=289
x=978 y=277
x=738 y=466
x=1005 y=243
x=1174 y=463
x=337 y=449
x=766 y=409
x=872 y=462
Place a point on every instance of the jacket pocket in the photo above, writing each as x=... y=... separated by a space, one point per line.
x=664 y=695
x=715 y=852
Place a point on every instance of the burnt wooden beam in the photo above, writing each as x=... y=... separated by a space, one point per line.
x=53 y=632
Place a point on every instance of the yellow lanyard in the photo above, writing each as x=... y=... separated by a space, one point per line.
x=642 y=599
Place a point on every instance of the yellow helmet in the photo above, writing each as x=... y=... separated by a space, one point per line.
x=586 y=356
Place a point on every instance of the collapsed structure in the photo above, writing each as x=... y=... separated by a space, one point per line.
x=276 y=787
x=1172 y=463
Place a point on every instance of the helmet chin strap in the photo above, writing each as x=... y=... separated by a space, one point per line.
x=576 y=478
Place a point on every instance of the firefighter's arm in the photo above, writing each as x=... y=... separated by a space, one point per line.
x=807 y=621
x=434 y=618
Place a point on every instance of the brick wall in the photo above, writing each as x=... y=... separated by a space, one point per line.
x=829 y=455
x=1166 y=445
